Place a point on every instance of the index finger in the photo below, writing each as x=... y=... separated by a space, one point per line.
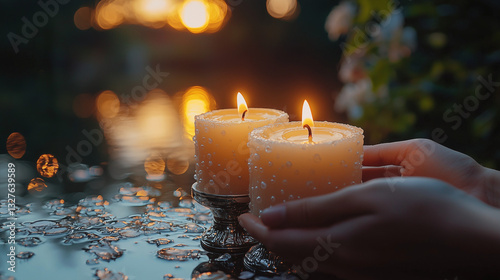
x=319 y=210
x=387 y=153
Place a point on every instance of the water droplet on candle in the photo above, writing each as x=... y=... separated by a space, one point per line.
x=195 y=176
x=196 y=131
x=282 y=192
x=289 y=164
x=239 y=177
x=223 y=132
x=210 y=163
x=210 y=141
x=263 y=185
x=270 y=163
x=310 y=184
x=285 y=182
x=209 y=156
x=256 y=157
x=317 y=158
x=358 y=142
x=206 y=128
x=290 y=197
x=211 y=182
x=273 y=199
x=258 y=199
x=268 y=149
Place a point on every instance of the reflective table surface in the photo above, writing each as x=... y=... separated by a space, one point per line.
x=134 y=227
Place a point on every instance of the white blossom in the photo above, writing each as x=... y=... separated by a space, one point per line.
x=352 y=68
x=394 y=40
x=340 y=19
x=352 y=96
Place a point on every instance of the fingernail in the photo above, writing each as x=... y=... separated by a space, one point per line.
x=274 y=216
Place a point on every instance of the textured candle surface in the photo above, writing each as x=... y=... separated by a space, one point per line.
x=285 y=166
x=221 y=149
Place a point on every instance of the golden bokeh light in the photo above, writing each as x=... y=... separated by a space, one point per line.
x=154 y=165
x=84 y=105
x=37 y=185
x=177 y=166
x=217 y=11
x=174 y=20
x=83 y=18
x=194 y=15
x=47 y=165
x=158 y=122
x=153 y=13
x=109 y=14
x=282 y=9
x=108 y=104
x=16 y=145
x=195 y=101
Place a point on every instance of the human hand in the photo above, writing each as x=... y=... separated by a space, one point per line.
x=425 y=229
x=425 y=158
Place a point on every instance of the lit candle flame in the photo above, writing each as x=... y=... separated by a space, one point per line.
x=307 y=119
x=242 y=106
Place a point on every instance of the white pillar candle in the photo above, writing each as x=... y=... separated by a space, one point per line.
x=285 y=164
x=221 y=149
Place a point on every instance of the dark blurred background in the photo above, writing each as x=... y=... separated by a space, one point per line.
x=276 y=54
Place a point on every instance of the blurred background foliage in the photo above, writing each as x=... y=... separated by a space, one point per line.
x=418 y=69
x=396 y=83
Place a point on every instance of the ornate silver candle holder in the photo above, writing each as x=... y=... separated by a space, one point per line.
x=260 y=260
x=225 y=235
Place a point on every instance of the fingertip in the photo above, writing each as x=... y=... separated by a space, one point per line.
x=246 y=219
x=253 y=225
x=275 y=216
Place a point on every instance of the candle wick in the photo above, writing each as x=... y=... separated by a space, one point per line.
x=243 y=115
x=310 y=132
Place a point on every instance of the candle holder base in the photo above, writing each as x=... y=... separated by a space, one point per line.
x=225 y=235
x=260 y=260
